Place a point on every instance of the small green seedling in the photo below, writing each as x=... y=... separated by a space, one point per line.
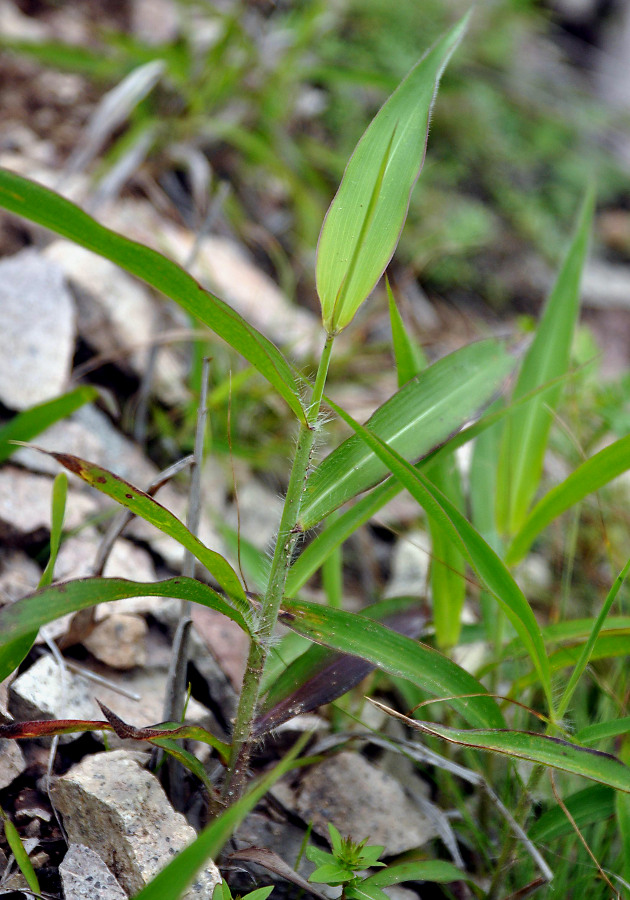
x=341 y=867
x=223 y=892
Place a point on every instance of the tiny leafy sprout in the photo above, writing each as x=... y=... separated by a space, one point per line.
x=223 y=892
x=341 y=866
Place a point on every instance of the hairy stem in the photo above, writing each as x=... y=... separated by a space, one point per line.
x=288 y=534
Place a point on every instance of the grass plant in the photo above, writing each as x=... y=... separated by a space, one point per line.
x=409 y=442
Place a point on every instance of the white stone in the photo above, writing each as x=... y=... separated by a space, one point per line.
x=25 y=503
x=12 y=762
x=119 y=641
x=120 y=811
x=118 y=317
x=37 y=330
x=85 y=876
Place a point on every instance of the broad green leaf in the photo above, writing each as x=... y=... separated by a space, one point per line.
x=30 y=613
x=436 y=870
x=43 y=206
x=142 y=504
x=419 y=417
x=19 y=852
x=27 y=424
x=592 y=804
x=364 y=221
x=393 y=653
x=448 y=563
x=538 y=748
x=590 y=476
x=526 y=432
x=488 y=566
x=172 y=881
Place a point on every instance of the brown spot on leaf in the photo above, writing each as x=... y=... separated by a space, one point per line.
x=73 y=463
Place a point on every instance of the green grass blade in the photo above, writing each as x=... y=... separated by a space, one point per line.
x=188 y=760
x=14 y=652
x=59 y=495
x=409 y=355
x=488 y=566
x=537 y=748
x=145 y=506
x=312 y=557
x=593 y=474
x=526 y=432
x=33 y=421
x=622 y=813
x=609 y=645
x=364 y=221
x=173 y=880
x=21 y=856
x=589 y=645
x=393 y=653
x=30 y=613
x=601 y=731
x=43 y=206
x=419 y=417
x=592 y=804
x=448 y=563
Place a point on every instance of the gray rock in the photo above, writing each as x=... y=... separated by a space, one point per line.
x=85 y=876
x=155 y=21
x=19 y=575
x=25 y=501
x=36 y=330
x=120 y=811
x=362 y=801
x=12 y=762
x=117 y=316
x=119 y=641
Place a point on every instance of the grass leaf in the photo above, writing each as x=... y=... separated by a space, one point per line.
x=366 y=216
x=393 y=653
x=590 y=476
x=21 y=856
x=526 y=431
x=145 y=506
x=419 y=417
x=488 y=566
x=43 y=206
x=592 y=804
x=30 y=613
x=538 y=748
